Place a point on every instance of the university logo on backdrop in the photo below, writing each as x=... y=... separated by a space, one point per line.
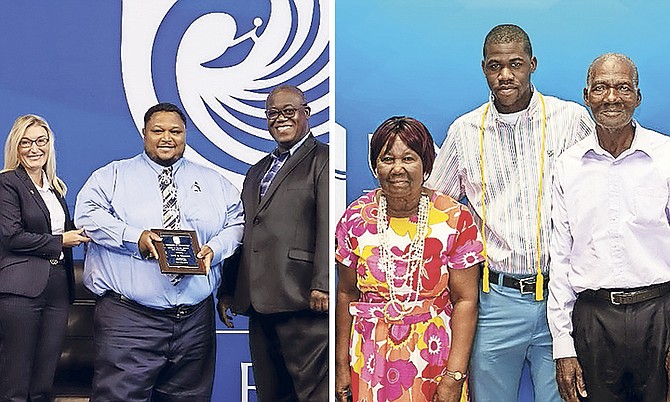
x=218 y=60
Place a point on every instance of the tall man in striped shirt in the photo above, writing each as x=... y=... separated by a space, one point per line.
x=500 y=157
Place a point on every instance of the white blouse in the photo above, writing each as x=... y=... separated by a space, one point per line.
x=55 y=209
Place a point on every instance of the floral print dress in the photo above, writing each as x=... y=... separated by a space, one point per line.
x=401 y=357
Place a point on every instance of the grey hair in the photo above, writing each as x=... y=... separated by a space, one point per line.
x=612 y=56
x=287 y=88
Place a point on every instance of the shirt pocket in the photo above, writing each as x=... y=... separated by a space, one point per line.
x=650 y=204
x=201 y=211
x=301 y=255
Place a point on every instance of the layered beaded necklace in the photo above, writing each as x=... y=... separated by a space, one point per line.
x=413 y=258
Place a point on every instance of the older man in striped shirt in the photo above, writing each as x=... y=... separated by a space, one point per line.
x=500 y=156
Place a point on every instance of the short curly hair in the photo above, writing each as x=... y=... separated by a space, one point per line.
x=508 y=33
x=412 y=132
x=164 y=107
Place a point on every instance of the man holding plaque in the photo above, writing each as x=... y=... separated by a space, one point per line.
x=160 y=227
x=281 y=281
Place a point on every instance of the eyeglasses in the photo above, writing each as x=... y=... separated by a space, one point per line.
x=27 y=143
x=287 y=112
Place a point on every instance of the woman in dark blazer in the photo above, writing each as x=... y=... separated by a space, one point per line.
x=36 y=271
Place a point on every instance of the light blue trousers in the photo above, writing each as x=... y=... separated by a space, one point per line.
x=511 y=330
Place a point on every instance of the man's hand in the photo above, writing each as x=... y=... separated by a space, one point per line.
x=570 y=379
x=318 y=301
x=206 y=254
x=222 y=307
x=146 y=246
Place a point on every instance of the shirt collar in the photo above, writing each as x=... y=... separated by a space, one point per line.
x=275 y=154
x=46 y=186
x=640 y=143
x=159 y=168
x=529 y=112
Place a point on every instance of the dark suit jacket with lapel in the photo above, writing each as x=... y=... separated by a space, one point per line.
x=285 y=247
x=26 y=242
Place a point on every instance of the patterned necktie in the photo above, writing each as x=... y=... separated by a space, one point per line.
x=170 y=209
x=277 y=163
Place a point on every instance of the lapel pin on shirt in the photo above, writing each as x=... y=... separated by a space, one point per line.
x=195 y=187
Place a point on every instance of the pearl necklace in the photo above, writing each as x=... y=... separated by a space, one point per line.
x=413 y=258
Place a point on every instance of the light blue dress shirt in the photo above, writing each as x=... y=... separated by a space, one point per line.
x=122 y=199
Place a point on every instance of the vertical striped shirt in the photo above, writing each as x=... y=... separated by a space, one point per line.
x=512 y=175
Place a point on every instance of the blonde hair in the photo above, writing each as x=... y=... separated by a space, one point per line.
x=17 y=132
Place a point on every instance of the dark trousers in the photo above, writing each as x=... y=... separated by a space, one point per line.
x=32 y=331
x=622 y=349
x=144 y=354
x=289 y=352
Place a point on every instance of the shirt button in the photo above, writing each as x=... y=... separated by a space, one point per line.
x=257 y=221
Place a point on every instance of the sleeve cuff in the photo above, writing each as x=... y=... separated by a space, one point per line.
x=216 y=254
x=319 y=283
x=130 y=238
x=319 y=288
x=564 y=347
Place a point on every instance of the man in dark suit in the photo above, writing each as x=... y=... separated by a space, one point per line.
x=281 y=279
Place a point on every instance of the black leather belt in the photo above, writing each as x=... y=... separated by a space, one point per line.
x=628 y=296
x=180 y=311
x=524 y=285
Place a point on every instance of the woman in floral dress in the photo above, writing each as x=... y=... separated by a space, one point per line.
x=408 y=272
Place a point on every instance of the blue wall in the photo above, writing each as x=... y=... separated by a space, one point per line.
x=423 y=59
x=53 y=66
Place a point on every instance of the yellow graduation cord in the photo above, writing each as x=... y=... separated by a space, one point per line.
x=539 y=283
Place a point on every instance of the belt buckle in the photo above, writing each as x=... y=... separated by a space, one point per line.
x=612 y=295
x=181 y=311
x=530 y=281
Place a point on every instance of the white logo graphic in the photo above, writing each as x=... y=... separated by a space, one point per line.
x=218 y=61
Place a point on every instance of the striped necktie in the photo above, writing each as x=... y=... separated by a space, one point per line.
x=277 y=163
x=170 y=209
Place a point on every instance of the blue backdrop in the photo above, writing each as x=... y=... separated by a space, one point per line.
x=423 y=59
x=92 y=68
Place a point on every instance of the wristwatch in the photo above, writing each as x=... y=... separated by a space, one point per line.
x=456 y=375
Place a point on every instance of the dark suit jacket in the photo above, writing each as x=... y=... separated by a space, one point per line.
x=285 y=249
x=26 y=242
